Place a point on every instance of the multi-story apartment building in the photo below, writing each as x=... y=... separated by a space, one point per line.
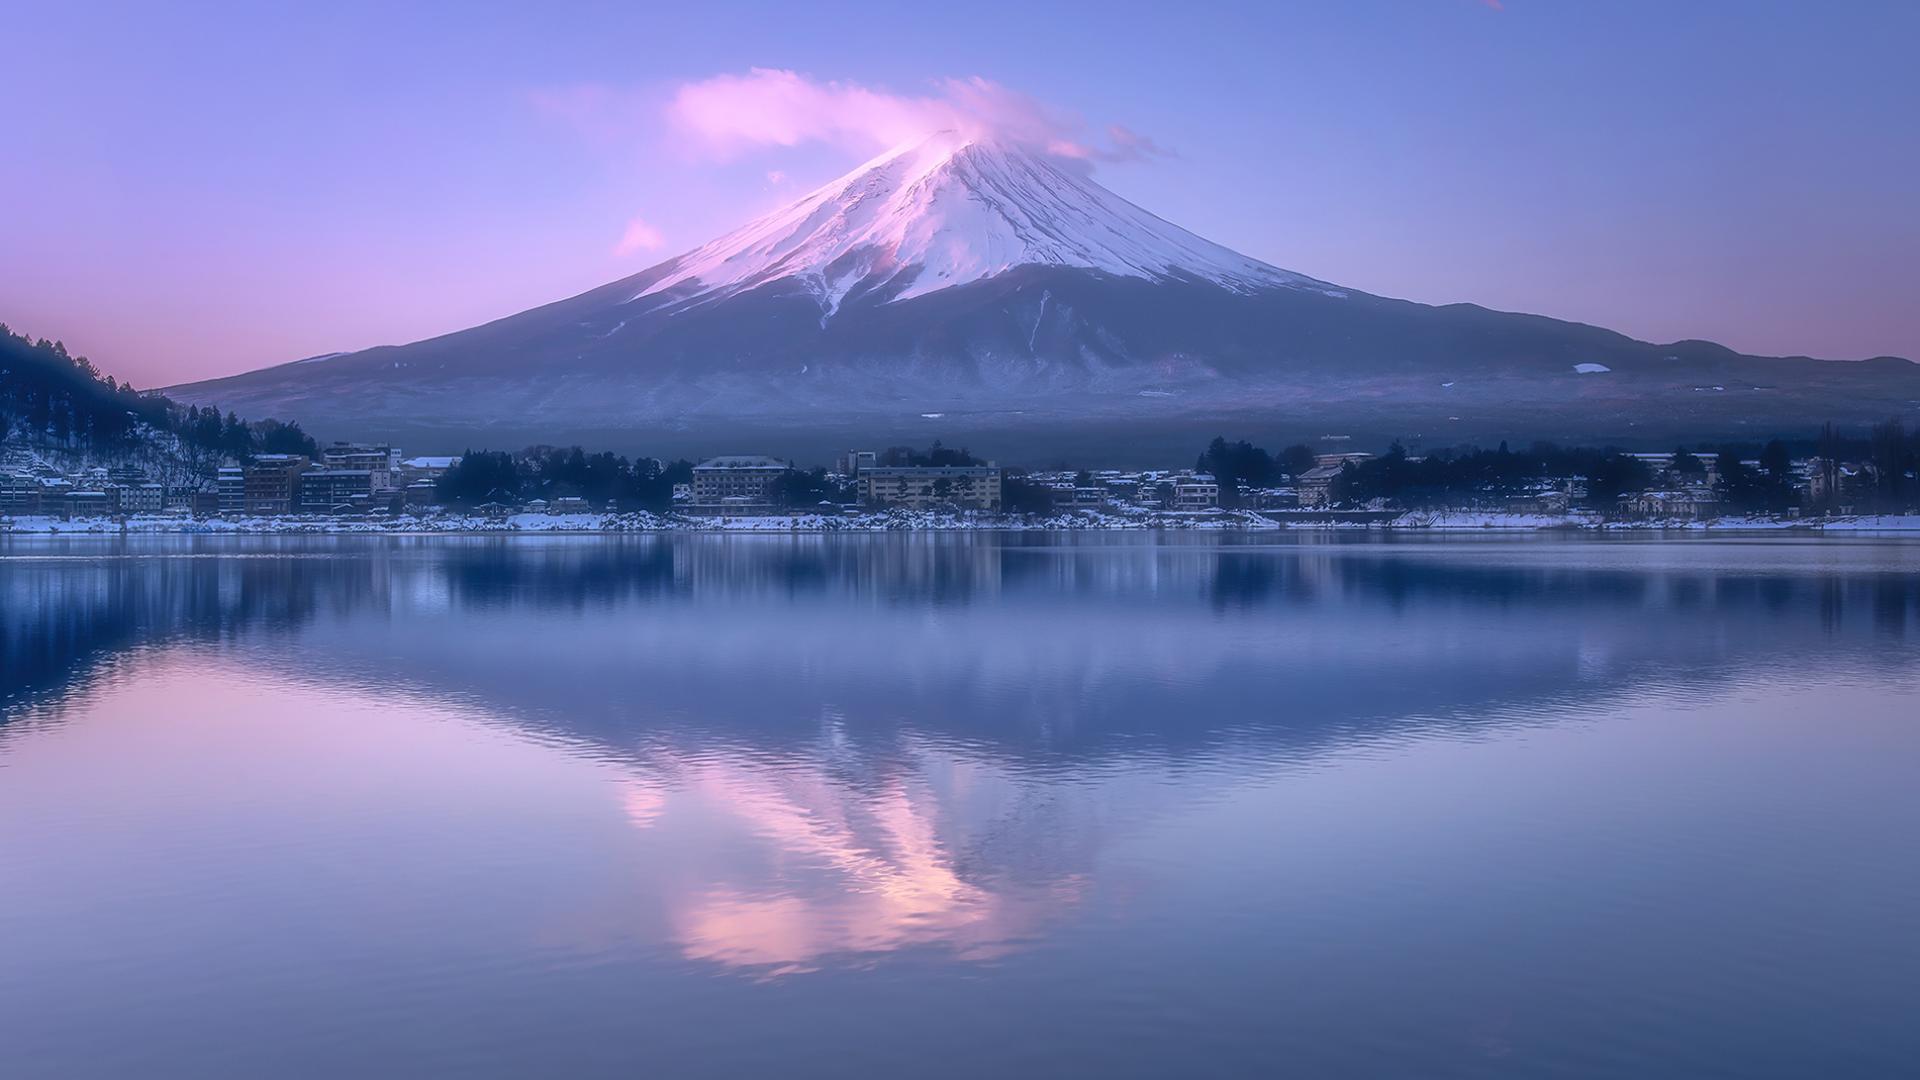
x=231 y=483
x=141 y=498
x=380 y=462
x=738 y=483
x=971 y=487
x=326 y=489
x=851 y=462
x=273 y=483
x=1316 y=484
x=1199 y=491
x=19 y=493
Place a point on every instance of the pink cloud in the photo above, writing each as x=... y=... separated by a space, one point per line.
x=640 y=236
x=1130 y=145
x=729 y=114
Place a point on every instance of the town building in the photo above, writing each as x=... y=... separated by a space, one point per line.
x=1682 y=504
x=737 y=484
x=53 y=495
x=1539 y=501
x=1315 y=486
x=380 y=462
x=428 y=468
x=1668 y=468
x=327 y=490
x=1195 y=491
x=851 y=462
x=87 y=504
x=19 y=493
x=1068 y=497
x=231 y=483
x=1355 y=456
x=969 y=487
x=142 y=498
x=273 y=483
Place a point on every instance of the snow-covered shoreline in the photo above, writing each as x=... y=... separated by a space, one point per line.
x=919 y=521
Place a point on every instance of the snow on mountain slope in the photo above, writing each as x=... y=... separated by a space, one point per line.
x=949 y=210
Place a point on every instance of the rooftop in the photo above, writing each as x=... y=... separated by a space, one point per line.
x=928 y=470
x=742 y=461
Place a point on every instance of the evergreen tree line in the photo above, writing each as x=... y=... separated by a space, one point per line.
x=548 y=472
x=1466 y=476
x=1241 y=463
x=1021 y=494
x=48 y=394
x=811 y=487
x=1889 y=480
x=545 y=472
x=1890 y=457
x=935 y=456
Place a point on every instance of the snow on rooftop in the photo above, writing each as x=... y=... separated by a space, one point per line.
x=742 y=461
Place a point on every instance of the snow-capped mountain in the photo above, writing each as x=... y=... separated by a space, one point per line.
x=948 y=211
x=979 y=291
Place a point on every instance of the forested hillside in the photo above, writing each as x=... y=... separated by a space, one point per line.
x=51 y=400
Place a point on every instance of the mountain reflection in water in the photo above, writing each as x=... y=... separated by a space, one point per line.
x=1106 y=796
x=1036 y=645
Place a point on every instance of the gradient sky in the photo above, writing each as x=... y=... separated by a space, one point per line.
x=195 y=190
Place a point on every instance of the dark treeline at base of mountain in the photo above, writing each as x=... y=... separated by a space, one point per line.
x=547 y=472
x=51 y=398
x=1746 y=477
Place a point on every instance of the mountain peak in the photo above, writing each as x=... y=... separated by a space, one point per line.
x=946 y=210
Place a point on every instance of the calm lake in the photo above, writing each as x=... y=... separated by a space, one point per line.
x=966 y=805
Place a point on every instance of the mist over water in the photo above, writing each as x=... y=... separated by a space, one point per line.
x=959 y=804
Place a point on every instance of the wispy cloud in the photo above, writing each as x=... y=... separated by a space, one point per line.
x=730 y=113
x=640 y=235
x=727 y=115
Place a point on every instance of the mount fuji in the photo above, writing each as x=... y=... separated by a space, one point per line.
x=972 y=290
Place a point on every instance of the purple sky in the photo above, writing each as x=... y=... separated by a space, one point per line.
x=195 y=190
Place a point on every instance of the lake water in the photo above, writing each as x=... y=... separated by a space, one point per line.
x=959 y=805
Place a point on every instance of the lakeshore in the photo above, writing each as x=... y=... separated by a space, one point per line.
x=933 y=521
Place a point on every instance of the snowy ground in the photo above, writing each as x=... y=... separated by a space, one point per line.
x=1876 y=523
x=903 y=520
x=630 y=522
